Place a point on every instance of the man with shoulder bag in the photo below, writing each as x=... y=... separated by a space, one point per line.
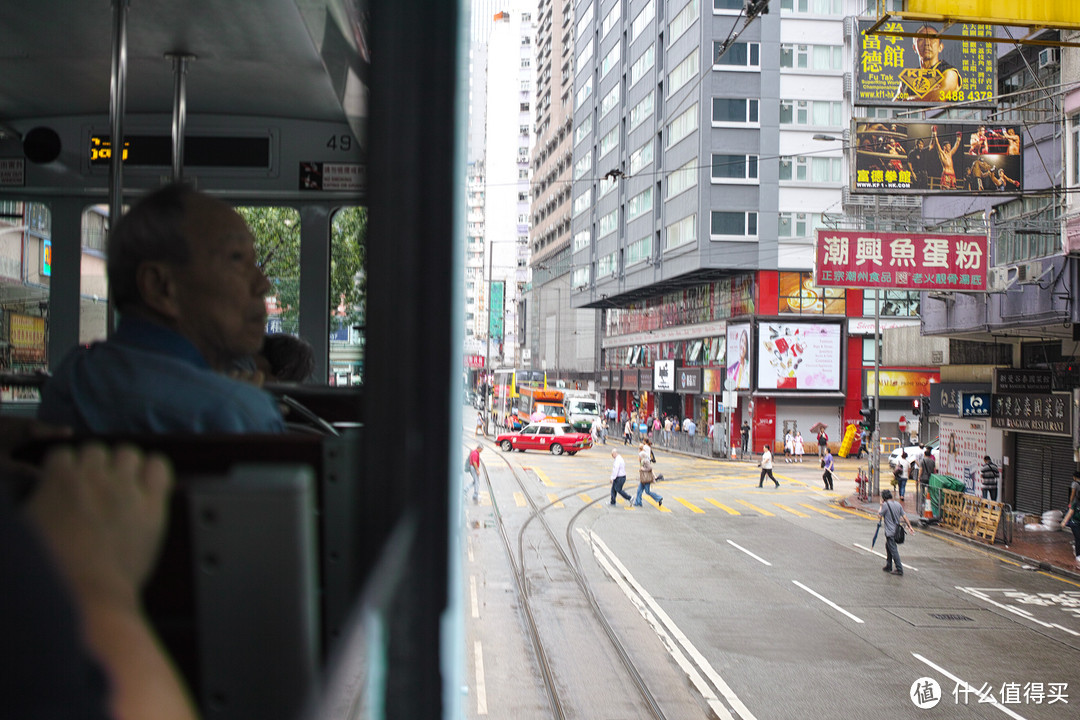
x=892 y=514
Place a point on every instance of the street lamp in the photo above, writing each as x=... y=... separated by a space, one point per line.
x=875 y=438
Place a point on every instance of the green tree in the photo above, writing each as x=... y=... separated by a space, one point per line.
x=348 y=259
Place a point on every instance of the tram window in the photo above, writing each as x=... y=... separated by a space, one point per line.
x=277 y=250
x=93 y=283
x=348 y=253
x=25 y=270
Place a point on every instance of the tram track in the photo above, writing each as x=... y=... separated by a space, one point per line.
x=572 y=563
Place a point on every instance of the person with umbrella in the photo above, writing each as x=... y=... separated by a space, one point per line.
x=822 y=437
x=892 y=514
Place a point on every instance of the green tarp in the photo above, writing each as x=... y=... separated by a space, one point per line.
x=937 y=482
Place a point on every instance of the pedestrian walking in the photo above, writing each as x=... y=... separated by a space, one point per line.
x=799 y=449
x=900 y=473
x=927 y=465
x=766 y=467
x=667 y=430
x=645 y=477
x=618 y=477
x=472 y=466
x=990 y=475
x=789 y=446
x=626 y=432
x=892 y=514
x=480 y=425
x=827 y=463
x=1072 y=517
x=862 y=444
x=744 y=433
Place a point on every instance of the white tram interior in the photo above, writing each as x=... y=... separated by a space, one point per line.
x=312 y=116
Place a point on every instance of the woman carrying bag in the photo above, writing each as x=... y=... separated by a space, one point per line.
x=645 y=477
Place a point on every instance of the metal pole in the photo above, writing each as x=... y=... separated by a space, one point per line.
x=875 y=439
x=558 y=330
x=179 y=118
x=117 y=91
x=489 y=375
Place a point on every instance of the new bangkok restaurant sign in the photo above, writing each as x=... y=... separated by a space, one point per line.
x=900 y=261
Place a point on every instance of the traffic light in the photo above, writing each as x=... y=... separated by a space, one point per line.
x=869 y=413
x=915 y=407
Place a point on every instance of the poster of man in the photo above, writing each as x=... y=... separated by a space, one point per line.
x=920 y=157
x=923 y=68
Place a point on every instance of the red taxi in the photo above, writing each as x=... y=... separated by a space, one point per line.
x=555 y=437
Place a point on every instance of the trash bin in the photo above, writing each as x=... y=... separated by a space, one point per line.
x=939 y=482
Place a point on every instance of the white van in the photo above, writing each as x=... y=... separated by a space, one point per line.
x=582 y=407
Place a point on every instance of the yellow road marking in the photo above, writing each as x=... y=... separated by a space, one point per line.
x=519 y=499
x=689 y=505
x=585 y=498
x=730 y=511
x=763 y=511
x=791 y=510
x=819 y=510
x=555 y=501
x=652 y=502
x=543 y=477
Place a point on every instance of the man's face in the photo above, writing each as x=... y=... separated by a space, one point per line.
x=928 y=47
x=221 y=291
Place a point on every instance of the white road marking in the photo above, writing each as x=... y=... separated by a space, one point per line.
x=882 y=555
x=987 y=699
x=740 y=547
x=1013 y=609
x=827 y=601
x=699 y=659
x=473 y=597
x=472 y=558
x=481 y=688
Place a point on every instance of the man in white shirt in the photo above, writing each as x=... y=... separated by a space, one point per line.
x=618 y=477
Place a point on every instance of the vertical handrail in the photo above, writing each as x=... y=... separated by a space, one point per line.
x=179 y=63
x=117 y=103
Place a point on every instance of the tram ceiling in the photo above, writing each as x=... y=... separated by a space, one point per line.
x=253 y=57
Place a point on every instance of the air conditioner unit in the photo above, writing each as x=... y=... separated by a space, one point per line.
x=1048 y=57
x=1029 y=272
x=998 y=279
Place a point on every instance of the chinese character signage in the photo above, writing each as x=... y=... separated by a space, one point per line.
x=495 y=316
x=938 y=157
x=925 y=69
x=900 y=261
x=946 y=397
x=1042 y=413
x=974 y=404
x=901 y=383
x=1022 y=381
x=26 y=335
x=689 y=380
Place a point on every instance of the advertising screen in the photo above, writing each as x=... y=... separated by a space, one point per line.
x=924 y=69
x=738 y=357
x=938 y=157
x=798 y=356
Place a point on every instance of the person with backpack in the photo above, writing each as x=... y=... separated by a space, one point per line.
x=990 y=474
x=892 y=514
x=822 y=442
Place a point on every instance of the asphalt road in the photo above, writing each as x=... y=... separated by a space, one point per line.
x=740 y=602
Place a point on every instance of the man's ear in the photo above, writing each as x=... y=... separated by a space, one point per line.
x=158 y=288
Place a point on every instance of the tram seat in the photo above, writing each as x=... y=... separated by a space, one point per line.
x=261 y=564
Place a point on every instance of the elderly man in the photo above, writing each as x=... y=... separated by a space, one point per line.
x=184 y=277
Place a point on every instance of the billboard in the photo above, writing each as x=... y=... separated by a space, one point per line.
x=798 y=356
x=901 y=383
x=948 y=158
x=738 y=357
x=900 y=261
x=925 y=69
x=1046 y=13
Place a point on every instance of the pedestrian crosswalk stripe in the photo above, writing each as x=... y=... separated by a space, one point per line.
x=543 y=476
x=519 y=499
x=554 y=500
x=585 y=498
x=791 y=510
x=652 y=502
x=730 y=511
x=763 y=511
x=823 y=512
x=690 y=505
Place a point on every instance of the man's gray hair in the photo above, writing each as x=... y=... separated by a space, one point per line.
x=151 y=231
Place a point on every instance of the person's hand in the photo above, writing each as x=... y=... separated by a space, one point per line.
x=102 y=514
x=257 y=378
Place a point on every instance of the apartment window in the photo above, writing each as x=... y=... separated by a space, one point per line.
x=606 y=186
x=582 y=202
x=794 y=56
x=583 y=93
x=639 y=205
x=738 y=55
x=793 y=168
x=523 y=174
x=583 y=165
x=611 y=60
x=642 y=111
x=642 y=20
x=682 y=179
x=610 y=141
x=683 y=20
x=643 y=64
x=582 y=131
x=526 y=62
x=734 y=167
x=797 y=225
x=586 y=54
x=681 y=232
x=823 y=7
x=733 y=224
x=812 y=57
x=736 y=5
x=580 y=277
x=1075 y=150
x=611 y=19
x=524 y=107
x=683 y=73
x=639 y=250
x=821 y=113
x=525 y=86
x=585 y=19
x=523 y=129
x=818 y=170
x=582 y=238
x=894 y=303
x=682 y=126
x=734 y=110
x=607 y=224
x=641 y=158
x=610 y=101
x=606 y=265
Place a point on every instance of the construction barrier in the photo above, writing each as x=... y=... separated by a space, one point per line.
x=970 y=515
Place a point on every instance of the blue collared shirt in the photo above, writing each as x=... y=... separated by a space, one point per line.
x=148 y=378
